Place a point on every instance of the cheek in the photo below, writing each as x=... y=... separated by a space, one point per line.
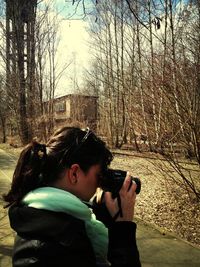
x=93 y=185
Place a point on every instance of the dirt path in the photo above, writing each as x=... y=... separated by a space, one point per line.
x=7 y=163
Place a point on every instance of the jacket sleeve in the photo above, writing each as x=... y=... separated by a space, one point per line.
x=122 y=250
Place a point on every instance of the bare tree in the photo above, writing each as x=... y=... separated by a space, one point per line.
x=149 y=64
x=3 y=108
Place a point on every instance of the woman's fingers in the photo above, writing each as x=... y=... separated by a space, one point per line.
x=128 y=185
x=99 y=195
x=111 y=203
x=127 y=198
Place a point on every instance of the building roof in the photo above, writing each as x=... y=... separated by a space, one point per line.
x=71 y=95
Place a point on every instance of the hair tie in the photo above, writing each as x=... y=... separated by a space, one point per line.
x=39 y=151
x=41 y=154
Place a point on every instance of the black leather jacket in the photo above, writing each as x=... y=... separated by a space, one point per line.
x=46 y=238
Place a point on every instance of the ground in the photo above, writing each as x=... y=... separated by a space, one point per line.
x=161 y=201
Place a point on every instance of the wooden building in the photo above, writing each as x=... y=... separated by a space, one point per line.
x=75 y=109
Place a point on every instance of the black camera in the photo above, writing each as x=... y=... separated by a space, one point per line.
x=113 y=180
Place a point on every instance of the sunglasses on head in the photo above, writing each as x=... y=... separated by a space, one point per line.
x=88 y=132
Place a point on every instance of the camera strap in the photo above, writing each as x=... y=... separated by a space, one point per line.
x=119 y=213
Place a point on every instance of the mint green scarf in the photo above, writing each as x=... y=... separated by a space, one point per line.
x=54 y=199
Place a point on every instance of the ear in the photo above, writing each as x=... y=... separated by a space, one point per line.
x=73 y=173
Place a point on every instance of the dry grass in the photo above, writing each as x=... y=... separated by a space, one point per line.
x=10 y=149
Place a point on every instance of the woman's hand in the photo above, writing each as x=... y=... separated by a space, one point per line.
x=127 y=195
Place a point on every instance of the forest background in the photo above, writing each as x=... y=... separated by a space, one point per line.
x=144 y=68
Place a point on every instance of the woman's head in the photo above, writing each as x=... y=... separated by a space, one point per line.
x=70 y=151
x=73 y=145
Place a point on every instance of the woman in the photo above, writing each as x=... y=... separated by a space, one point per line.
x=50 y=209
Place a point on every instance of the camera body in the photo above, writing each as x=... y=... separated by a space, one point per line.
x=113 y=180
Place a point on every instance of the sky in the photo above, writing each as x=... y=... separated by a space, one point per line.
x=73 y=45
x=73 y=48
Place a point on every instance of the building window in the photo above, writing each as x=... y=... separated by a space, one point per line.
x=60 y=106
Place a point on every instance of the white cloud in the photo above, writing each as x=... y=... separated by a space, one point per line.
x=73 y=48
x=74 y=39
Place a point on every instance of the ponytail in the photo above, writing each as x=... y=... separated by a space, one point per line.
x=29 y=172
